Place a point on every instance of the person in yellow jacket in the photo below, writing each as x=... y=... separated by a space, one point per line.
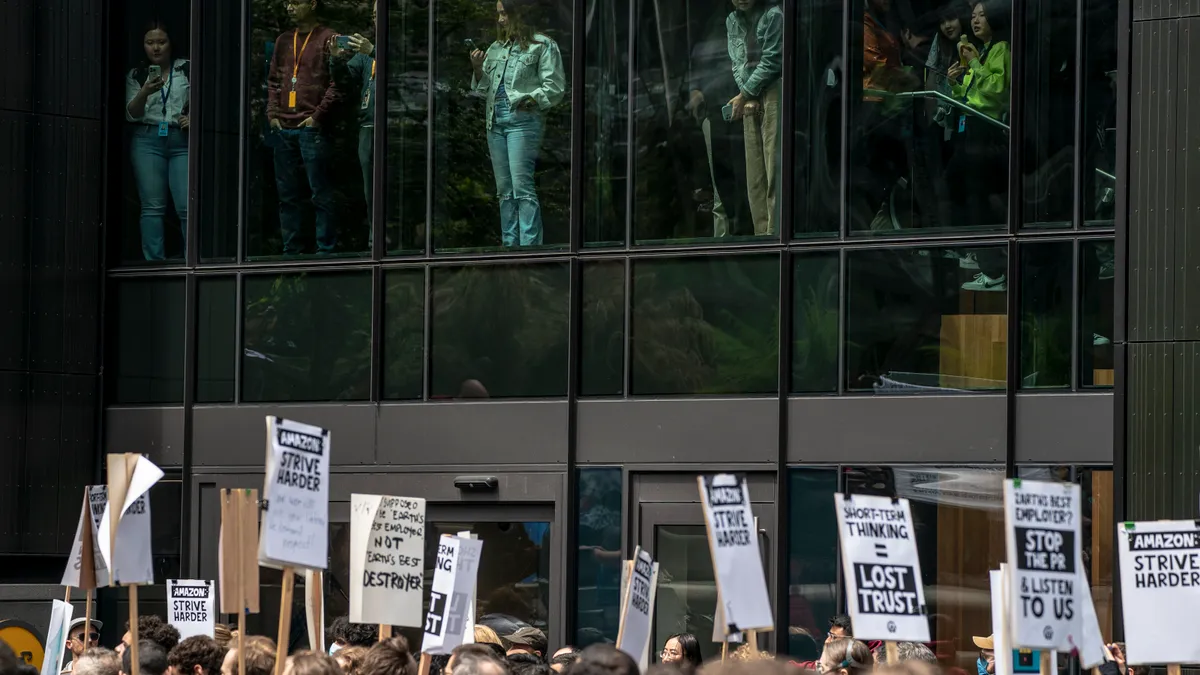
x=983 y=76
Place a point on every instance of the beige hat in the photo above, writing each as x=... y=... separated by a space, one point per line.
x=984 y=642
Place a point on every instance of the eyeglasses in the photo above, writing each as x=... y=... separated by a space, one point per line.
x=91 y=637
x=668 y=652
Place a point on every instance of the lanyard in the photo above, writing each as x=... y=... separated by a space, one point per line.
x=372 y=69
x=296 y=55
x=165 y=92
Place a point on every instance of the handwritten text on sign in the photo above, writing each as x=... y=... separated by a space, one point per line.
x=387 y=539
x=1042 y=536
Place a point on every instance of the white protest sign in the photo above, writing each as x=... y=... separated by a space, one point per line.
x=454 y=579
x=1160 y=591
x=1091 y=652
x=637 y=608
x=1043 y=545
x=387 y=559
x=132 y=562
x=733 y=540
x=1001 y=646
x=469 y=625
x=56 y=637
x=88 y=532
x=884 y=590
x=295 y=520
x=191 y=606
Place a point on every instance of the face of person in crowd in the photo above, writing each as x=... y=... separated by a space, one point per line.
x=124 y=643
x=81 y=638
x=835 y=633
x=951 y=28
x=157 y=46
x=979 y=23
x=826 y=666
x=501 y=15
x=230 y=662
x=672 y=651
x=989 y=657
x=744 y=5
x=300 y=10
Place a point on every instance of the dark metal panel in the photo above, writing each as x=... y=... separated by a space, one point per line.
x=1187 y=184
x=1151 y=407
x=966 y=429
x=153 y=431
x=14 y=223
x=513 y=488
x=695 y=431
x=14 y=397
x=43 y=442
x=236 y=435
x=490 y=432
x=78 y=450
x=1186 y=432
x=82 y=247
x=1065 y=429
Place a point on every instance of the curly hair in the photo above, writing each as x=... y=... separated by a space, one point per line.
x=351 y=659
x=198 y=650
x=354 y=634
x=390 y=657
x=151 y=627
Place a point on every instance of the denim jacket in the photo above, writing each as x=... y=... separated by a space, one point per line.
x=769 y=32
x=537 y=74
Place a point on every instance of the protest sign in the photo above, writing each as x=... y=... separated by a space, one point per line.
x=56 y=637
x=1091 y=652
x=125 y=523
x=1160 y=591
x=191 y=606
x=85 y=566
x=387 y=559
x=237 y=547
x=637 y=608
x=469 y=624
x=733 y=543
x=884 y=590
x=1043 y=547
x=295 y=523
x=1001 y=646
x=454 y=579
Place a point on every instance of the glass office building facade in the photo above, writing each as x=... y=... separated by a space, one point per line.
x=599 y=246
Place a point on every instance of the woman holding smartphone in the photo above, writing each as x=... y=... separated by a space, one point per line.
x=522 y=75
x=156 y=102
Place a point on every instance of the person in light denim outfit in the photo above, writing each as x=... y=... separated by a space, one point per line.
x=755 y=34
x=157 y=105
x=522 y=75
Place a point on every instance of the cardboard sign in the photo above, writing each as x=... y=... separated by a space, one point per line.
x=450 y=598
x=56 y=637
x=884 y=590
x=295 y=530
x=237 y=551
x=1091 y=652
x=85 y=566
x=125 y=525
x=1002 y=647
x=637 y=608
x=387 y=559
x=1160 y=591
x=1043 y=541
x=469 y=626
x=191 y=606
x=733 y=542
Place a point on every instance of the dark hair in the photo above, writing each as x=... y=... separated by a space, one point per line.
x=152 y=658
x=522 y=658
x=353 y=656
x=948 y=49
x=437 y=663
x=308 y=662
x=151 y=627
x=198 y=650
x=566 y=658
x=841 y=621
x=690 y=646
x=609 y=658
x=526 y=668
x=354 y=634
x=999 y=18
x=390 y=657
x=519 y=28
x=178 y=41
x=468 y=658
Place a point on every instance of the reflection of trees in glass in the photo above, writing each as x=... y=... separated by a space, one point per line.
x=815 y=324
x=602 y=355
x=408 y=123
x=706 y=325
x=503 y=325
x=1046 y=315
x=404 y=324
x=307 y=337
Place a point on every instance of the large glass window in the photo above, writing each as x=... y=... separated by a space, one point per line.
x=407 y=125
x=502 y=124
x=818 y=71
x=499 y=331
x=154 y=75
x=815 y=324
x=602 y=355
x=929 y=115
x=1050 y=97
x=1046 y=287
x=148 y=358
x=599 y=555
x=218 y=208
x=606 y=122
x=308 y=72
x=927 y=320
x=1098 y=270
x=404 y=326
x=306 y=337
x=812 y=560
x=216 y=339
x=706 y=325
x=1099 y=112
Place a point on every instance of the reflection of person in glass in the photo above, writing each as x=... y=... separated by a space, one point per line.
x=156 y=100
x=755 y=34
x=522 y=75
x=358 y=60
x=300 y=96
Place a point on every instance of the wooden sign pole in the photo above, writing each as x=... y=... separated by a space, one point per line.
x=285 y=617
x=1044 y=665
x=423 y=666
x=67 y=599
x=1172 y=669
x=87 y=619
x=724 y=650
x=385 y=632
x=893 y=652
x=133 y=629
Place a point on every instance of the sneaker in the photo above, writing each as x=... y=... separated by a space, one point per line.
x=1099 y=340
x=983 y=282
x=1108 y=270
x=968 y=262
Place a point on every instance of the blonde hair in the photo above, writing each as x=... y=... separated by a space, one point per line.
x=748 y=652
x=260 y=655
x=485 y=635
x=848 y=654
x=222 y=634
x=308 y=662
x=353 y=657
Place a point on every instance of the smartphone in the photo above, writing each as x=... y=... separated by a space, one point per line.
x=343 y=42
x=154 y=72
x=727 y=112
x=470 y=44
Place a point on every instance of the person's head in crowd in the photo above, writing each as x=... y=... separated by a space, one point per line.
x=197 y=655
x=10 y=664
x=845 y=656
x=151 y=627
x=762 y=666
x=512 y=21
x=222 y=635
x=527 y=667
x=907 y=652
x=485 y=635
x=682 y=648
x=839 y=627
x=389 y=657
x=156 y=42
x=748 y=652
x=521 y=658
x=81 y=637
x=308 y=662
x=152 y=659
x=527 y=639
x=985 y=664
x=475 y=659
x=351 y=659
x=260 y=657
x=612 y=660
x=989 y=20
x=97 y=661
x=801 y=644
x=563 y=658
x=303 y=12
x=344 y=634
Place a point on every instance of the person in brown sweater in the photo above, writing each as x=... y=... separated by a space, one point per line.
x=300 y=98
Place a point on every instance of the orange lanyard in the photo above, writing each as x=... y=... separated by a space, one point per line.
x=296 y=55
x=372 y=69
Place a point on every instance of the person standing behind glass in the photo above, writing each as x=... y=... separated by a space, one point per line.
x=361 y=69
x=156 y=100
x=522 y=75
x=755 y=34
x=300 y=96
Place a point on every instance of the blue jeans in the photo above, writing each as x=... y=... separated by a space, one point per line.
x=514 y=141
x=160 y=165
x=304 y=154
